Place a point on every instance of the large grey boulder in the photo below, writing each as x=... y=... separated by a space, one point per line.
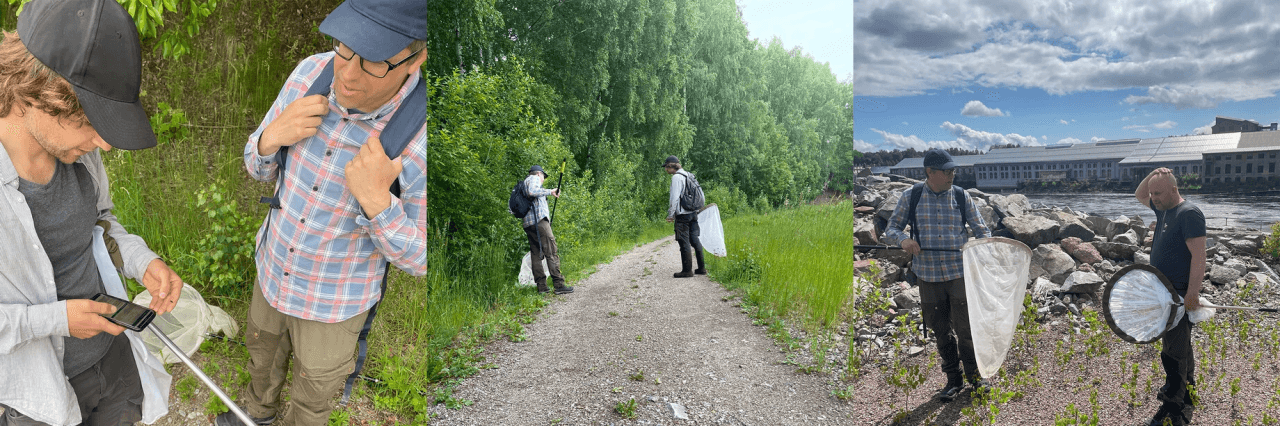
x=1082 y=283
x=1013 y=205
x=989 y=217
x=865 y=232
x=1069 y=225
x=1032 y=230
x=1048 y=260
x=1098 y=225
x=890 y=202
x=975 y=194
x=1141 y=258
x=1237 y=264
x=1128 y=237
x=1136 y=224
x=1221 y=274
x=1117 y=251
x=1242 y=245
x=908 y=299
x=1042 y=287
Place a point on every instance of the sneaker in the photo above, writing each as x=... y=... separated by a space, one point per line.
x=951 y=390
x=564 y=289
x=230 y=419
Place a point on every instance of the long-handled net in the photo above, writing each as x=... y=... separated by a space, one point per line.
x=996 y=272
x=1140 y=305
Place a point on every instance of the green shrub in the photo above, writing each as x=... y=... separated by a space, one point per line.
x=224 y=256
x=148 y=16
x=1271 y=245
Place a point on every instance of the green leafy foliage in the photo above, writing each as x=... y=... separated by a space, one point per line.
x=149 y=17
x=224 y=255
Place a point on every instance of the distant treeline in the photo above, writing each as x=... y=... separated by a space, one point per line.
x=889 y=158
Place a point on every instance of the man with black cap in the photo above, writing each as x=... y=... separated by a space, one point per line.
x=347 y=206
x=537 y=227
x=941 y=211
x=686 y=221
x=69 y=84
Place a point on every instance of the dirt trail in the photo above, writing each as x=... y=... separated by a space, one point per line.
x=694 y=347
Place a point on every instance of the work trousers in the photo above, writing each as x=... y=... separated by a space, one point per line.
x=687 y=231
x=324 y=354
x=1179 y=367
x=109 y=392
x=542 y=245
x=946 y=312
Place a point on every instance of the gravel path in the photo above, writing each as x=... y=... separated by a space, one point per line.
x=687 y=337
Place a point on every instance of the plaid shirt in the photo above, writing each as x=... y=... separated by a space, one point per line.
x=940 y=228
x=319 y=258
x=538 y=211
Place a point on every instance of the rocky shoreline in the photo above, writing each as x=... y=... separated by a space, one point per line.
x=1074 y=254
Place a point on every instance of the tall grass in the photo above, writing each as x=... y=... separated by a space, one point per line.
x=794 y=260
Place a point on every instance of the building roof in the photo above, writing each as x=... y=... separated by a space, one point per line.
x=1264 y=139
x=918 y=162
x=1179 y=148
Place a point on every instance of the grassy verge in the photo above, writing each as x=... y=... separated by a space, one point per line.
x=793 y=267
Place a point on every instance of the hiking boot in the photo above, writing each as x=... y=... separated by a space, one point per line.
x=951 y=390
x=230 y=419
x=542 y=288
x=687 y=265
x=702 y=266
x=564 y=289
x=980 y=386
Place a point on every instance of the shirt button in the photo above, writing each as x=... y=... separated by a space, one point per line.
x=286 y=274
x=303 y=220
x=290 y=249
x=328 y=152
x=315 y=188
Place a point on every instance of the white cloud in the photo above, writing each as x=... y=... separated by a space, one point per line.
x=1204 y=130
x=1138 y=127
x=905 y=123
x=1097 y=139
x=977 y=139
x=1064 y=121
x=978 y=109
x=1164 y=125
x=1069 y=141
x=1184 y=54
x=896 y=141
x=862 y=146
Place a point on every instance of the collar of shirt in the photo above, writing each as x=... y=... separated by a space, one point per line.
x=382 y=112
x=8 y=173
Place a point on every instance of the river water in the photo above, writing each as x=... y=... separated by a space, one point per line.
x=1220 y=211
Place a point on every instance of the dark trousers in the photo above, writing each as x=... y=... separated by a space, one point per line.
x=109 y=392
x=946 y=312
x=542 y=244
x=687 y=231
x=1179 y=367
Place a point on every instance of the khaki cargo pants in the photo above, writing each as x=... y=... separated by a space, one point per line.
x=324 y=354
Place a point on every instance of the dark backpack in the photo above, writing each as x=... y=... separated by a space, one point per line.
x=400 y=129
x=692 y=199
x=916 y=191
x=519 y=203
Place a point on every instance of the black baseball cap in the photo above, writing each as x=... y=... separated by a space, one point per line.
x=671 y=160
x=938 y=159
x=536 y=168
x=377 y=29
x=93 y=44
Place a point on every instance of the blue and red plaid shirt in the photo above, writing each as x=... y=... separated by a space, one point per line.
x=319 y=258
x=940 y=228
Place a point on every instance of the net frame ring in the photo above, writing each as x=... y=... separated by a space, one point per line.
x=1106 y=302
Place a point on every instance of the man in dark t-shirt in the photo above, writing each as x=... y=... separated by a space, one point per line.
x=1177 y=250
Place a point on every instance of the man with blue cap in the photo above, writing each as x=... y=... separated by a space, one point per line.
x=346 y=142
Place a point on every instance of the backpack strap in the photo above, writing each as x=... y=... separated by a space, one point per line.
x=363 y=341
x=961 y=204
x=911 y=213
x=400 y=129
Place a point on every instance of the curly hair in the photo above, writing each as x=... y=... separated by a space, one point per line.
x=26 y=82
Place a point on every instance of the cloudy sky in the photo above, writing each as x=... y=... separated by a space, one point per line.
x=976 y=73
x=820 y=27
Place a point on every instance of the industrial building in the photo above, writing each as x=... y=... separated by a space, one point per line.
x=1215 y=158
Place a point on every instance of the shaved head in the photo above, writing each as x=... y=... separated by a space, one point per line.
x=1164 y=190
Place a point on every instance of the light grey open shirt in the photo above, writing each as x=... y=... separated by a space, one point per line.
x=33 y=323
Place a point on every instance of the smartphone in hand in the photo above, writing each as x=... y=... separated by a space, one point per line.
x=128 y=315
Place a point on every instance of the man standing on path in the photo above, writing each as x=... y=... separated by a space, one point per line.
x=941 y=214
x=69 y=84
x=324 y=251
x=686 y=221
x=537 y=227
x=1177 y=250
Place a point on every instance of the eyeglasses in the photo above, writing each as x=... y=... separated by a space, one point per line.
x=376 y=69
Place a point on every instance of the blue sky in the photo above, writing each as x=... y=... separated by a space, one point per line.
x=820 y=27
x=972 y=74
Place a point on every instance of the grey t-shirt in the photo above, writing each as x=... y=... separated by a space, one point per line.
x=65 y=211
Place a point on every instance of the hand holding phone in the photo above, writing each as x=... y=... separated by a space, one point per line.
x=127 y=315
x=85 y=318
